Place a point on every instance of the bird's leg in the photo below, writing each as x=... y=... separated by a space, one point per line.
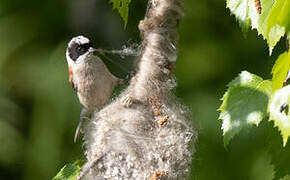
x=85 y=114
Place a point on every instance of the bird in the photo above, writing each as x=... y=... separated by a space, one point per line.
x=89 y=77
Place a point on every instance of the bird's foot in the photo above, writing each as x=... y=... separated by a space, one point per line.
x=85 y=115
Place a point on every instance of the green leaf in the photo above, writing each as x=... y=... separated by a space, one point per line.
x=279 y=115
x=278 y=22
x=123 y=8
x=69 y=171
x=280 y=156
x=244 y=103
x=240 y=9
x=272 y=23
x=280 y=70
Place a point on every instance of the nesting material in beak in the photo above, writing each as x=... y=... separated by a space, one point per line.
x=91 y=50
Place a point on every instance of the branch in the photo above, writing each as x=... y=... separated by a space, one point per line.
x=145 y=132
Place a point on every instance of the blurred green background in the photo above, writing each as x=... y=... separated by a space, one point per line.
x=39 y=111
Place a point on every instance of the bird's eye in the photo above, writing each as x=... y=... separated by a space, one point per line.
x=79 y=48
x=82 y=48
x=85 y=46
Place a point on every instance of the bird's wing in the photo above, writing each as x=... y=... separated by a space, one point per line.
x=70 y=78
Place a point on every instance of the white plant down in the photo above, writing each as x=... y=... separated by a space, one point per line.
x=145 y=132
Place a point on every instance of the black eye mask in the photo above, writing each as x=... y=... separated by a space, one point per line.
x=76 y=50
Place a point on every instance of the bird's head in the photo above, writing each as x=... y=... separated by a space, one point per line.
x=79 y=47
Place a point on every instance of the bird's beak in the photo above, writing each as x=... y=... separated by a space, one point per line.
x=91 y=50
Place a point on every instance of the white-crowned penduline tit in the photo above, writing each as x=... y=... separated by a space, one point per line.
x=89 y=77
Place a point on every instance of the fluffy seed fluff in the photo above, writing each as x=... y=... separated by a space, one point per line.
x=145 y=133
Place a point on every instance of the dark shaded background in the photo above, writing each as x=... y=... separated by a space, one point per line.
x=39 y=111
